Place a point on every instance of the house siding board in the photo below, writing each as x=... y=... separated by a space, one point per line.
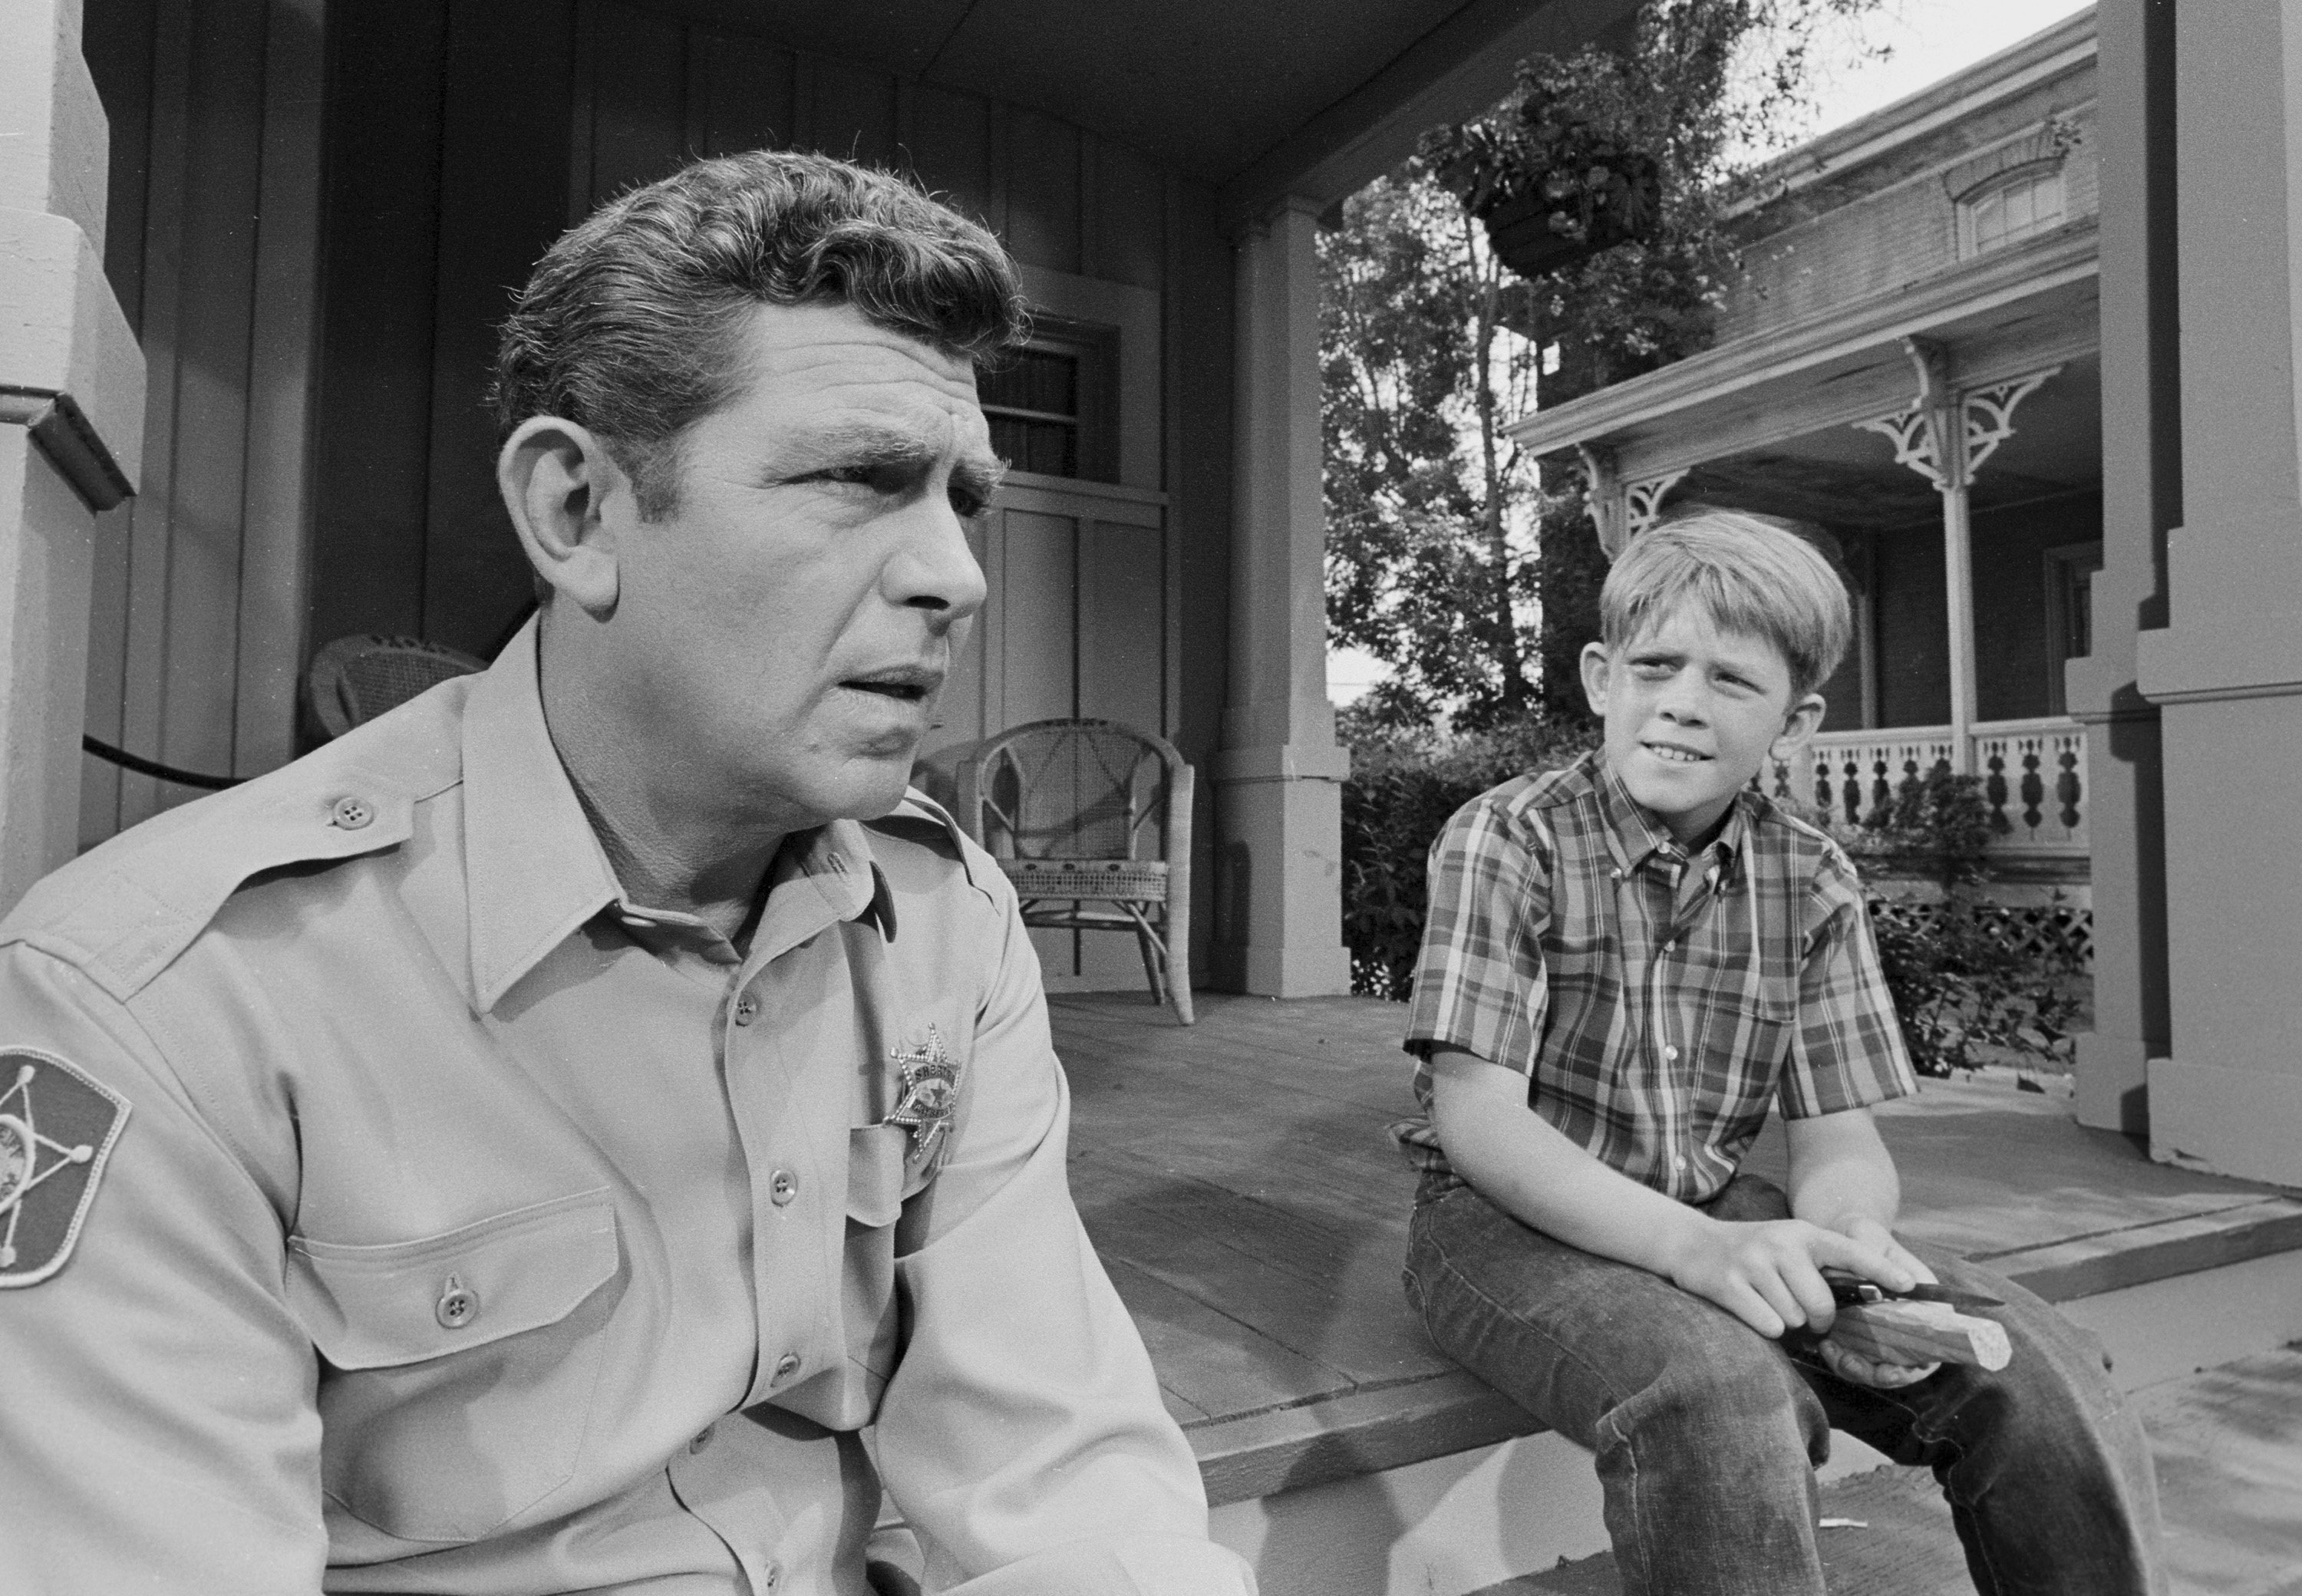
x=1044 y=214
x=1199 y=334
x=740 y=92
x=117 y=38
x=853 y=115
x=2009 y=623
x=167 y=630
x=509 y=87
x=380 y=240
x=1913 y=628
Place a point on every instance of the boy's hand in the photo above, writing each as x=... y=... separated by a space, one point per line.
x=1769 y=1274
x=1861 y=1371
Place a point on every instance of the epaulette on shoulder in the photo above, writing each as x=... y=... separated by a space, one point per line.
x=123 y=911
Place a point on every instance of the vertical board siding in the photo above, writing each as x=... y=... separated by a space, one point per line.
x=372 y=437
x=505 y=150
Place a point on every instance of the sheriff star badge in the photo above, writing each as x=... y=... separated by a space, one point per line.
x=931 y=1095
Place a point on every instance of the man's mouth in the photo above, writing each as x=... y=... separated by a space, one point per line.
x=1673 y=753
x=908 y=684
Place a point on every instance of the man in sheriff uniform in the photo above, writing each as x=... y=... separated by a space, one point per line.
x=590 y=1128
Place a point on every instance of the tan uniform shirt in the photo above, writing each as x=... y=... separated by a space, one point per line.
x=465 y=1227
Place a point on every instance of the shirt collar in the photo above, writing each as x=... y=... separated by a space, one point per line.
x=1633 y=837
x=535 y=870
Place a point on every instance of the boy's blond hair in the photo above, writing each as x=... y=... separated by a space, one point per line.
x=1751 y=574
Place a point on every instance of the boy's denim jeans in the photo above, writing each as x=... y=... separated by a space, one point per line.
x=1706 y=1433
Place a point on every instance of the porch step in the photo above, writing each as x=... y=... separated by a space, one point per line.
x=1426 y=1461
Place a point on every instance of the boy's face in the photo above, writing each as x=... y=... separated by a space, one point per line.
x=1692 y=713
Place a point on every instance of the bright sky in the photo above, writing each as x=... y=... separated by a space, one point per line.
x=1927 y=40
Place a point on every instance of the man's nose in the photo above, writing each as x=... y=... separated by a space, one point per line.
x=933 y=569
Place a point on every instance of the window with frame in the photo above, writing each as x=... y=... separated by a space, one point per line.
x=2014 y=206
x=1052 y=406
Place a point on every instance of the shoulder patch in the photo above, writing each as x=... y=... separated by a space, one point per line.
x=57 y=1128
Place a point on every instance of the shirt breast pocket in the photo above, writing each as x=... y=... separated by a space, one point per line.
x=460 y=1366
x=1740 y=1044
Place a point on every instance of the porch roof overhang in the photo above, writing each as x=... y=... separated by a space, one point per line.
x=1997 y=317
x=1263 y=99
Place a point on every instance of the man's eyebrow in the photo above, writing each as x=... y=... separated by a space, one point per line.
x=861 y=443
x=979 y=474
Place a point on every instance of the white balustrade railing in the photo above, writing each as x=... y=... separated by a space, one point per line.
x=2033 y=775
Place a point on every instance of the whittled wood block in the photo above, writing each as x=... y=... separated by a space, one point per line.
x=1920 y=1332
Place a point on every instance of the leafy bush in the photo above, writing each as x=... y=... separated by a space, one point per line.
x=1965 y=983
x=1403 y=788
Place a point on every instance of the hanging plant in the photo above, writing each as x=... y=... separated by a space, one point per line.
x=1568 y=188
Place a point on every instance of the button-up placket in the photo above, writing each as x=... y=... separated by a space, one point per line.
x=786 y=1049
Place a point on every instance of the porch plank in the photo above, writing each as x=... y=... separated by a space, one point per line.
x=1237 y=1180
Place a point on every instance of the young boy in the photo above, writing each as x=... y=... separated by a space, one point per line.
x=1626 y=962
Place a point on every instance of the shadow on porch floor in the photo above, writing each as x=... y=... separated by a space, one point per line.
x=1237 y=1178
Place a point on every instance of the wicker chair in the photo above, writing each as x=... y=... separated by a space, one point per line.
x=355 y=679
x=1091 y=820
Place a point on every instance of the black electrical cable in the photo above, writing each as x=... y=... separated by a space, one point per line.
x=128 y=761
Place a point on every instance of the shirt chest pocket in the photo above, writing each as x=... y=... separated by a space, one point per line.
x=460 y=1366
x=1740 y=1042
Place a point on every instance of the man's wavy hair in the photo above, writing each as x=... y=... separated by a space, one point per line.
x=632 y=321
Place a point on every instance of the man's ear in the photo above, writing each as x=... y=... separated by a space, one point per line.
x=1596 y=666
x=561 y=487
x=1804 y=719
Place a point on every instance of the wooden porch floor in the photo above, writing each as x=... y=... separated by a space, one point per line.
x=1237 y=1178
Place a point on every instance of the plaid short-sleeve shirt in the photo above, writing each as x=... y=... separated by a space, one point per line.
x=1656 y=1002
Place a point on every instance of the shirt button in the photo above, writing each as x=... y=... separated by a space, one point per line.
x=702 y=1439
x=351 y=814
x=787 y=1366
x=1670 y=947
x=747 y=1009
x=1670 y=1053
x=784 y=1187
x=457 y=1306
x=773 y=1575
x=1678 y=1161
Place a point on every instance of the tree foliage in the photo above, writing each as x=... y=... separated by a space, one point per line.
x=1442 y=538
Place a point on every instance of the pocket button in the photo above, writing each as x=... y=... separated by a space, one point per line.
x=459 y=1304
x=786 y=1365
x=783 y=1187
x=701 y=1441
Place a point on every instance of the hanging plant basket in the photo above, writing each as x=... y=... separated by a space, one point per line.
x=1590 y=192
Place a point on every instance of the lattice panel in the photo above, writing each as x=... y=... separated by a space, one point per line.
x=2036 y=930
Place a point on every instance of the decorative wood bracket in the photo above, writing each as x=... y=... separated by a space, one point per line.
x=1608 y=504
x=1979 y=420
x=1621 y=510
x=1643 y=501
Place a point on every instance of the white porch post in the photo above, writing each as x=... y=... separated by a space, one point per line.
x=2142 y=498
x=2222 y=657
x=1958 y=576
x=1945 y=437
x=71 y=417
x=1278 y=776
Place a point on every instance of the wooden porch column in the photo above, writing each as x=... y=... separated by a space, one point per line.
x=1945 y=437
x=2142 y=497
x=2225 y=667
x=1278 y=775
x=71 y=417
x=1958 y=576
